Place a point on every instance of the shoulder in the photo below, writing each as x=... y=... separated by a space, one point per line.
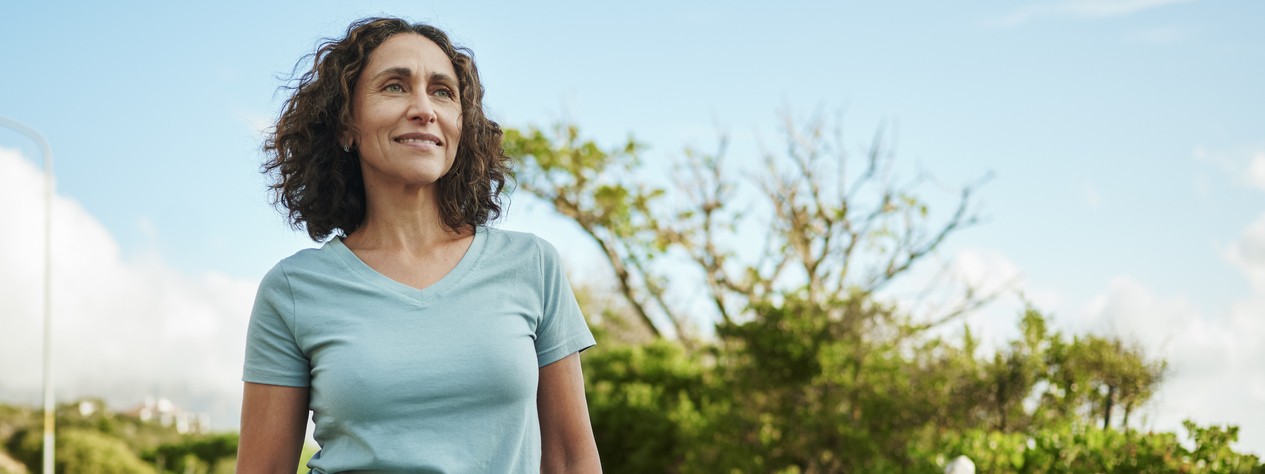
x=524 y=254
x=520 y=244
x=313 y=256
x=310 y=260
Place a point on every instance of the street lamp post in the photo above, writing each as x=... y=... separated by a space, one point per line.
x=50 y=420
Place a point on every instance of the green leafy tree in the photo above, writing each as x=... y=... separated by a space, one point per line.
x=811 y=368
x=90 y=434
x=1084 y=448
x=654 y=392
x=200 y=454
x=81 y=450
x=796 y=354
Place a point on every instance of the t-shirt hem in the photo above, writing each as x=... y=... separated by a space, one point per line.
x=576 y=343
x=275 y=379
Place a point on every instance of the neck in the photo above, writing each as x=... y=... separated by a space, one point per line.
x=403 y=220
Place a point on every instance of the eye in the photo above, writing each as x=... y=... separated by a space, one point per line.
x=445 y=93
x=394 y=87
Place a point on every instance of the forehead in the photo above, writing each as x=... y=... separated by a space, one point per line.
x=411 y=51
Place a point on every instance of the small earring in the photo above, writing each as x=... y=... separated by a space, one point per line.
x=347 y=147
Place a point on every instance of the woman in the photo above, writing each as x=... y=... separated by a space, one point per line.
x=420 y=340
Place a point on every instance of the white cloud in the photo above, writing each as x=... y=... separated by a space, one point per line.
x=1081 y=9
x=1215 y=375
x=123 y=328
x=1130 y=309
x=1256 y=171
x=1245 y=165
x=1248 y=254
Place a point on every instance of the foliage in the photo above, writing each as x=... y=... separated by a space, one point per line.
x=81 y=450
x=810 y=394
x=811 y=369
x=793 y=391
x=195 y=453
x=99 y=440
x=1081 y=448
x=653 y=390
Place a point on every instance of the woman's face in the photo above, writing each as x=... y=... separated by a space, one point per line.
x=407 y=113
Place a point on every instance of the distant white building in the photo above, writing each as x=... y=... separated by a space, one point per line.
x=166 y=413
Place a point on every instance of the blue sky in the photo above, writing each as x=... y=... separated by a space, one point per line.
x=1126 y=139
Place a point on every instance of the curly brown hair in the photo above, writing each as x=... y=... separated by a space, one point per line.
x=319 y=184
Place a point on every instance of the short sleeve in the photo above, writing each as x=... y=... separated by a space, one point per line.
x=273 y=355
x=562 y=330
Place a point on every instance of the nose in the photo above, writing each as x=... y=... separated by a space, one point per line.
x=422 y=110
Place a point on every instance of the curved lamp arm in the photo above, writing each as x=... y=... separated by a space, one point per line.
x=50 y=410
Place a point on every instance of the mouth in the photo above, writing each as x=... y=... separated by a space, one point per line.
x=419 y=139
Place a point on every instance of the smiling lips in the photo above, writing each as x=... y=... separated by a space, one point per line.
x=419 y=139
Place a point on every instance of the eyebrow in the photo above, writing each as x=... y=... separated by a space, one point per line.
x=408 y=73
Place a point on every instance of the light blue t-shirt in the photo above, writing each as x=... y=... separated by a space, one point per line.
x=435 y=380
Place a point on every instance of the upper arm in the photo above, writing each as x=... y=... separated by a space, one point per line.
x=566 y=435
x=274 y=421
x=562 y=330
x=274 y=353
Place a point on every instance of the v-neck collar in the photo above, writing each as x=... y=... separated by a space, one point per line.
x=424 y=295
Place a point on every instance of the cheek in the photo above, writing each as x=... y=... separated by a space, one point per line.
x=459 y=126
